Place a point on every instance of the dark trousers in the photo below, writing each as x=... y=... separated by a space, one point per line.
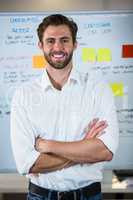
x=91 y=192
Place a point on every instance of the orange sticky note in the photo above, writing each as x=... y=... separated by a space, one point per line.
x=38 y=61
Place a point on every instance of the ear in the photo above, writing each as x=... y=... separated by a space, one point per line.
x=40 y=45
x=75 y=45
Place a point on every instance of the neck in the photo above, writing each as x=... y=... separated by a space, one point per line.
x=59 y=77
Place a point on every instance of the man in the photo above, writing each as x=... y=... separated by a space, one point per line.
x=63 y=126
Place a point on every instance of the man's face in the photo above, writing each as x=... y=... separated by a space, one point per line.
x=57 y=46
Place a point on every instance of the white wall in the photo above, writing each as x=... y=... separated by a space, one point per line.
x=118 y=4
x=64 y=5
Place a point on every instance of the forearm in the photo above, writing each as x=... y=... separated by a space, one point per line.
x=49 y=162
x=90 y=151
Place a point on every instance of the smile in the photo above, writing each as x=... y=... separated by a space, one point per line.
x=58 y=56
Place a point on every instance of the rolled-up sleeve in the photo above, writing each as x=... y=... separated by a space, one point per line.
x=22 y=134
x=107 y=111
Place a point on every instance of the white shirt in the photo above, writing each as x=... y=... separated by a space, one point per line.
x=38 y=109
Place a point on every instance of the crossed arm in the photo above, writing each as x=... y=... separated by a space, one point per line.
x=56 y=155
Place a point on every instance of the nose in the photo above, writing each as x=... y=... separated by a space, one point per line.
x=58 y=45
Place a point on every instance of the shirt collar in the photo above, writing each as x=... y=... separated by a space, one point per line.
x=74 y=76
x=46 y=83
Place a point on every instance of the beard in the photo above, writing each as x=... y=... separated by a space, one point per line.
x=59 y=64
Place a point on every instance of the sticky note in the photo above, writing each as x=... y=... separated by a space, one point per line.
x=104 y=55
x=127 y=51
x=117 y=88
x=38 y=61
x=88 y=54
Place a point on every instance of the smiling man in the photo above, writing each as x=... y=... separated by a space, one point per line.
x=57 y=46
x=62 y=142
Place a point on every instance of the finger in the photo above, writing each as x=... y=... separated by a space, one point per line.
x=97 y=131
x=93 y=122
x=91 y=127
x=96 y=125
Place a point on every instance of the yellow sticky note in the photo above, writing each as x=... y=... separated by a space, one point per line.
x=104 y=55
x=117 y=88
x=88 y=54
x=38 y=61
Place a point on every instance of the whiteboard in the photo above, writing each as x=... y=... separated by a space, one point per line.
x=105 y=41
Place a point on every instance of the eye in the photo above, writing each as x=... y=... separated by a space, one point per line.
x=50 y=41
x=65 y=40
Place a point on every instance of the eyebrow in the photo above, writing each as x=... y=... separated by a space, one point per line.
x=64 y=37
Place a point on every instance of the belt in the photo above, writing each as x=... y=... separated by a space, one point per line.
x=87 y=192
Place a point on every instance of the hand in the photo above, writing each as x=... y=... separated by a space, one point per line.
x=41 y=145
x=95 y=128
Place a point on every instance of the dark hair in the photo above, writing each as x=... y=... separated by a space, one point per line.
x=56 y=20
